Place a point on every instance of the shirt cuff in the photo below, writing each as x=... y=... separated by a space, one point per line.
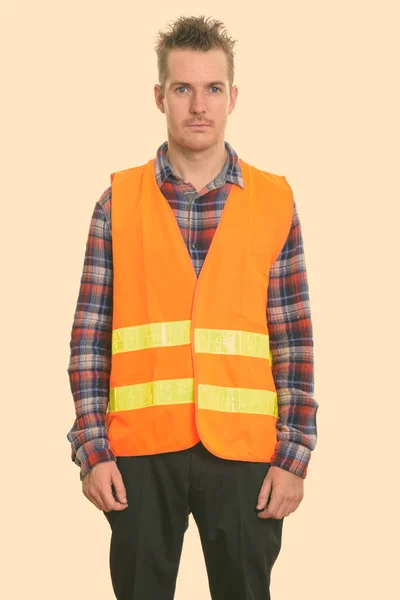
x=291 y=457
x=88 y=455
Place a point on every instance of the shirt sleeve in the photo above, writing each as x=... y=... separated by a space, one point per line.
x=291 y=345
x=90 y=346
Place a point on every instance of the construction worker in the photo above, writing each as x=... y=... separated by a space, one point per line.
x=191 y=360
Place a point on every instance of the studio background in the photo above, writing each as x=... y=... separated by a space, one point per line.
x=318 y=102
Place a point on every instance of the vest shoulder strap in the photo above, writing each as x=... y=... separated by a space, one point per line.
x=283 y=207
x=131 y=172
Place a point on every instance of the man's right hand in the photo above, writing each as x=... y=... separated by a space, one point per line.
x=96 y=485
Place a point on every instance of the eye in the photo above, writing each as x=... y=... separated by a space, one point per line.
x=182 y=87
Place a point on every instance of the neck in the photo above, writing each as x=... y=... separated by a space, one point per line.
x=194 y=166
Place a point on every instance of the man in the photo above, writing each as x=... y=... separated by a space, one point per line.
x=191 y=352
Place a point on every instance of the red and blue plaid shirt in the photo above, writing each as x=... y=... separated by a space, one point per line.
x=287 y=312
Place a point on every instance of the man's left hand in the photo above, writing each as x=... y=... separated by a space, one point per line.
x=287 y=493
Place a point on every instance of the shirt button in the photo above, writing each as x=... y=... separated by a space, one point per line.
x=194 y=245
x=218 y=181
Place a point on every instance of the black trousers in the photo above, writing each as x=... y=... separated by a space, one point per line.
x=162 y=490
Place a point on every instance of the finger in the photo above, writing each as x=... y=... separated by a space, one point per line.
x=86 y=490
x=294 y=505
x=267 y=514
x=106 y=498
x=93 y=500
x=273 y=507
x=276 y=500
x=284 y=509
x=119 y=487
x=264 y=494
x=118 y=506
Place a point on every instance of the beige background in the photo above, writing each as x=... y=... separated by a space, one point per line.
x=319 y=103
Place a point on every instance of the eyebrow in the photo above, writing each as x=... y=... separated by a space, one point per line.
x=221 y=83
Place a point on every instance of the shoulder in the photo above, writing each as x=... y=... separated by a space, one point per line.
x=272 y=183
x=272 y=178
x=122 y=174
x=105 y=199
x=104 y=202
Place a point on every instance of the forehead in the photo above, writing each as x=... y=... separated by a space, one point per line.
x=194 y=66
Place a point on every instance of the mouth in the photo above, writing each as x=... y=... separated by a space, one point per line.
x=198 y=125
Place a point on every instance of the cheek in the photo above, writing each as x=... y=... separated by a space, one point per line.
x=176 y=114
x=221 y=111
x=221 y=117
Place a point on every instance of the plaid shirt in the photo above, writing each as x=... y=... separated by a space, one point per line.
x=287 y=312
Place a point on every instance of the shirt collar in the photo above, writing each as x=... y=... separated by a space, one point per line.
x=231 y=171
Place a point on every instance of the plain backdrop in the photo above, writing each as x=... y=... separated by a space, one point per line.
x=319 y=103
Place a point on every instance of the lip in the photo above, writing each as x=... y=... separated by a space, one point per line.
x=199 y=125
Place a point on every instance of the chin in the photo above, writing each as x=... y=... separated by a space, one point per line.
x=200 y=143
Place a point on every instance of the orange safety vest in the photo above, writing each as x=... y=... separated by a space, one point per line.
x=190 y=356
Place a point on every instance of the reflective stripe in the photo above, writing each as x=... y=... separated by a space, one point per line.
x=181 y=391
x=238 y=400
x=230 y=341
x=153 y=393
x=177 y=333
x=150 y=335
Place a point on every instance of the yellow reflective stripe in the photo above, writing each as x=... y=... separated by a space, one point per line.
x=238 y=400
x=152 y=393
x=230 y=341
x=150 y=335
x=177 y=333
x=181 y=391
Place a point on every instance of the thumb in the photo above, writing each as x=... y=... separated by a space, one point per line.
x=264 y=493
x=119 y=487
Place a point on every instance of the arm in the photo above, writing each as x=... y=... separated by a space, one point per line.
x=90 y=347
x=291 y=344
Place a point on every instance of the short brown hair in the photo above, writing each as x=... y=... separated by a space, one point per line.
x=196 y=33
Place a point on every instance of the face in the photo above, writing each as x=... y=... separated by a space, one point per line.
x=196 y=91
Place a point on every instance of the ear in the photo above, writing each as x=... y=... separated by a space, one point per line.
x=159 y=97
x=232 y=103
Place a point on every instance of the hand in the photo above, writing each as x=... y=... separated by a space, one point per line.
x=287 y=493
x=96 y=486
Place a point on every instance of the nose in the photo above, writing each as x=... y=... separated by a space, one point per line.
x=198 y=103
